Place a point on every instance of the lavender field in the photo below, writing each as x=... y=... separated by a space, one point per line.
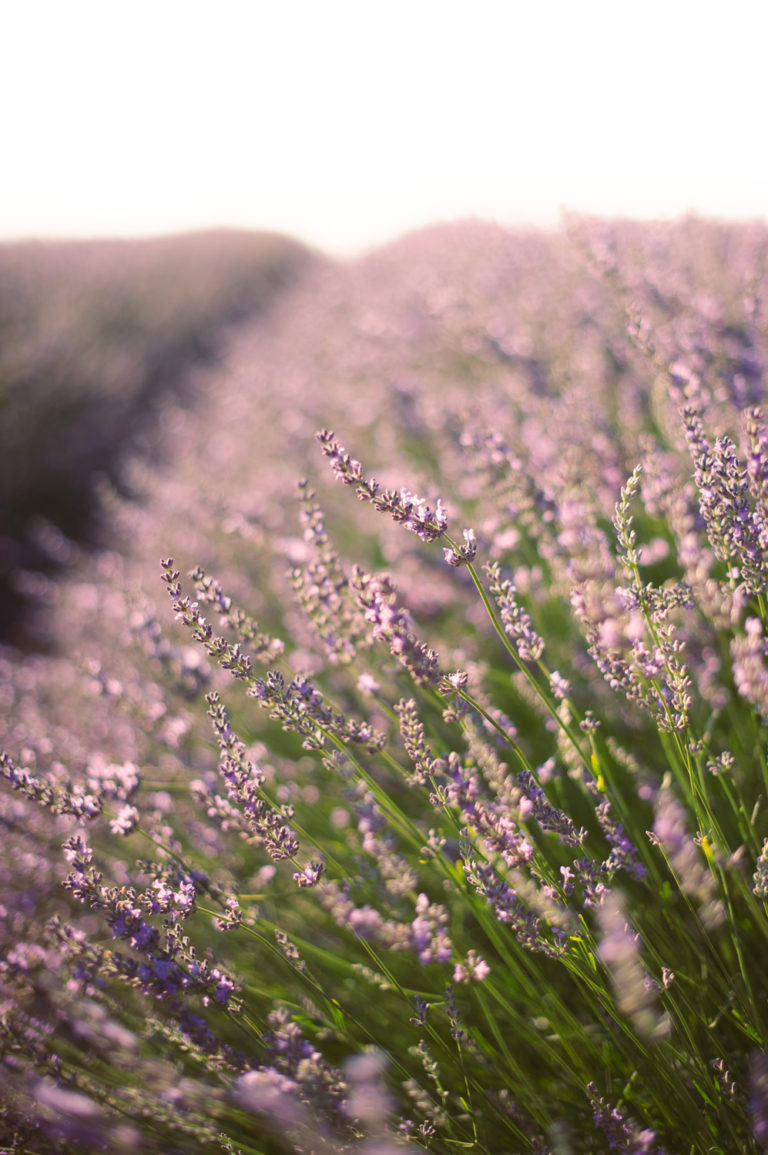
x=395 y=776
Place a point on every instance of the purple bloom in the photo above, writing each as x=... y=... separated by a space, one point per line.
x=126 y=821
x=377 y=597
x=736 y=531
x=406 y=508
x=621 y=1133
x=686 y=859
x=619 y=951
x=750 y=669
x=473 y=969
x=516 y=621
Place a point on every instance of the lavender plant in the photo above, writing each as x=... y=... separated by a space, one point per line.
x=445 y=837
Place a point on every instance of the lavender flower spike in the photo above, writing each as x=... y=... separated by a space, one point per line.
x=404 y=507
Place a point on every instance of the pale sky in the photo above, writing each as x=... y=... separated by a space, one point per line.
x=348 y=122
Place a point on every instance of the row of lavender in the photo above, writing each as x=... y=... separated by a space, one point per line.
x=94 y=335
x=434 y=818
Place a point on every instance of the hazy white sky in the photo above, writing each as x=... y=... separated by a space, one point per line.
x=346 y=122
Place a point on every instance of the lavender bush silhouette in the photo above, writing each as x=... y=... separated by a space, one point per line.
x=425 y=810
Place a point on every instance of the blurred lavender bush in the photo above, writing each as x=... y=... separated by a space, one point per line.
x=95 y=337
x=425 y=809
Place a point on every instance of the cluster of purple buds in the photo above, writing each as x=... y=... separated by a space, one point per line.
x=685 y=858
x=57 y=799
x=619 y=951
x=474 y=969
x=261 y=646
x=750 y=670
x=623 y=851
x=737 y=531
x=376 y=594
x=125 y=821
x=620 y=1132
x=506 y=905
x=757 y=466
x=536 y=804
x=415 y=742
x=299 y=706
x=244 y=781
x=232 y=917
x=429 y=939
x=113 y=779
x=310 y=875
x=760 y=877
x=457 y=555
x=228 y=655
x=403 y=506
x=516 y=621
x=454 y=1015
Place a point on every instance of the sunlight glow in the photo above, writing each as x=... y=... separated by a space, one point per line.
x=345 y=123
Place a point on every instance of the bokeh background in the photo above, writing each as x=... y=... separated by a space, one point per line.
x=167 y=169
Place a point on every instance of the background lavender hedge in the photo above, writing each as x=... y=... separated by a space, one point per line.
x=424 y=807
x=94 y=338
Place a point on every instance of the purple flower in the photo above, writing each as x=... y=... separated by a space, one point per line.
x=126 y=821
x=516 y=621
x=406 y=508
x=686 y=859
x=310 y=875
x=377 y=597
x=473 y=969
x=750 y=670
x=619 y=951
